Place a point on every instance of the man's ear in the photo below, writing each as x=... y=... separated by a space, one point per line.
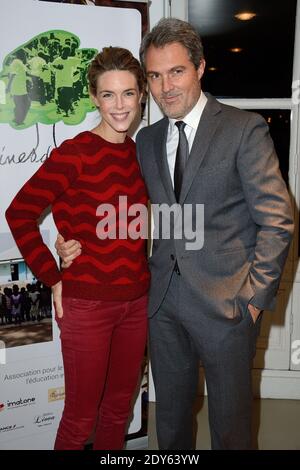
x=201 y=68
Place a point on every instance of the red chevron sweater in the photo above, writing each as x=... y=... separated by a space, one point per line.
x=81 y=174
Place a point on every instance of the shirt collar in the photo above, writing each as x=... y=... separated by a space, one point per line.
x=192 y=119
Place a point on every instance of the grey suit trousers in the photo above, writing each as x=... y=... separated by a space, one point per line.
x=226 y=348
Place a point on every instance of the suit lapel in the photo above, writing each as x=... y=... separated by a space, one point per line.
x=162 y=161
x=206 y=129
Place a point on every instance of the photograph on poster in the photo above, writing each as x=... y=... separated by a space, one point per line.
x=45 y=81
x=25 y=303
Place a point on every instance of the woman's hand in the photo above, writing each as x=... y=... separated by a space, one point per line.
x=57 y=299
x=68 y=251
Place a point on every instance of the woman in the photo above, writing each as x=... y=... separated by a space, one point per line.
x=104 y=291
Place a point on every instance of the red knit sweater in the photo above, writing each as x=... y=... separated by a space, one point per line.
x=81 y=174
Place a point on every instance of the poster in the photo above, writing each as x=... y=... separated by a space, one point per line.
x=44 y=51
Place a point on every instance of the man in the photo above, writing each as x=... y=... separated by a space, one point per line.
x=206 y=303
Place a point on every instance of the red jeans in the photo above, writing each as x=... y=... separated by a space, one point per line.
x=102 y=346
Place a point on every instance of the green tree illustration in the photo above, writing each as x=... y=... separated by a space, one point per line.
x=45 y=81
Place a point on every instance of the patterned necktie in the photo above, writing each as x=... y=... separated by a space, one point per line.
x=182 y=154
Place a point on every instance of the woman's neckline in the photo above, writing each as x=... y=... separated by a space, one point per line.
x=116 y=144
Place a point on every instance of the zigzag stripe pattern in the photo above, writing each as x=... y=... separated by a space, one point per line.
x=78 y=176
x=114 y=169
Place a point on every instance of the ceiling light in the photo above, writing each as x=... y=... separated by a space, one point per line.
x=235 y=49
x=245 y=16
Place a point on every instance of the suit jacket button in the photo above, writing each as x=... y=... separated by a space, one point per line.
x=172 y=257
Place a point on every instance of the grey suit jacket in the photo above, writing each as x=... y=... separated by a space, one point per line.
x=233 y=171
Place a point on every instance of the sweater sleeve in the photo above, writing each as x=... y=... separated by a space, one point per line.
x=51 y=180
